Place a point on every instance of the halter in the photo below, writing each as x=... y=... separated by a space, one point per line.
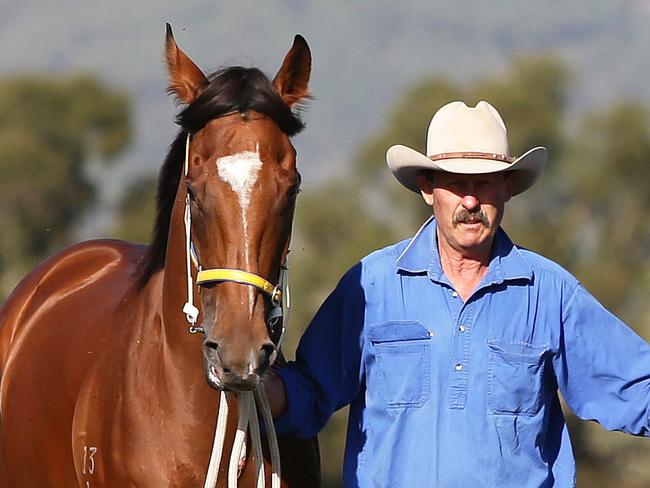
x=278 y=294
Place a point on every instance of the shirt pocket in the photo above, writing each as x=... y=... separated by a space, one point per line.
x=401 y=367
x=515 y=377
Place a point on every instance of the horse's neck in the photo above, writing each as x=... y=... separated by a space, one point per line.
x=167 y=357
x=166 y=400
x=180 y=357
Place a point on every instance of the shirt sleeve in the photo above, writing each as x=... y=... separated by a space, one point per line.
x=327 y=372
x=603 y=368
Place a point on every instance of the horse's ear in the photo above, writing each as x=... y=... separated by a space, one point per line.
x=293 y=78
x=186 y=80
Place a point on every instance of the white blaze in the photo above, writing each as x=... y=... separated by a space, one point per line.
x=240 y=171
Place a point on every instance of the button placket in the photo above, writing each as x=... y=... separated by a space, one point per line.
x=460 y=358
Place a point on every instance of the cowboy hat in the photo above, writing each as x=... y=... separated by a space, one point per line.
x=466 y=140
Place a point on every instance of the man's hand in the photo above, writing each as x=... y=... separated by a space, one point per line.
x=276 y=394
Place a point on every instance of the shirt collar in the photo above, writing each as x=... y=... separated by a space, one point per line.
x=421 y=256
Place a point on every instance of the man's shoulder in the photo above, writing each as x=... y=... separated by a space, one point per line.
x=386 y=256
x=545 y=267
x=376 y=267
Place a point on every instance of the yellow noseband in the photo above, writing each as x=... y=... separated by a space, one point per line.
x=220 y=275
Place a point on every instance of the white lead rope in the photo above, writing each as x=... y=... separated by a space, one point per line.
x=263 y=404
x=247 y=421
x=237 y=452
x=217 y=445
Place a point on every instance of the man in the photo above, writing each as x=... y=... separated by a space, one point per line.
x=450 y=347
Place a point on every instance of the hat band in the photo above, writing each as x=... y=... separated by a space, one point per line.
x=473 y=155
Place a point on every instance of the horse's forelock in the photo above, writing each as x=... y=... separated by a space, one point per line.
x=239 y=89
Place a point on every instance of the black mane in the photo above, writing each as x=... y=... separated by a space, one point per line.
x=234 y=89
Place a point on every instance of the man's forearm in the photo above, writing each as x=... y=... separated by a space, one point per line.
x=276 y=394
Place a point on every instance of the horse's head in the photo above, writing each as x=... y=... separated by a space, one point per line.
x=240 y=184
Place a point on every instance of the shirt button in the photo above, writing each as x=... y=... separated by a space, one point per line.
x=454 y=294
x=461 y=328
x=458 y=367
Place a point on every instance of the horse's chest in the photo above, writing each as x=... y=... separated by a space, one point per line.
x=119 y=440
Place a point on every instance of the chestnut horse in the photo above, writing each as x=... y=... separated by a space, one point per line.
x=102 y=385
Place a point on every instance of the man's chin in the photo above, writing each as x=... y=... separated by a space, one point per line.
x=475 y=244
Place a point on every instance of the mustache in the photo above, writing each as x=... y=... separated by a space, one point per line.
x=464 y=216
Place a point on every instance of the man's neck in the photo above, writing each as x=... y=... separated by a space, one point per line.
x=464 y=268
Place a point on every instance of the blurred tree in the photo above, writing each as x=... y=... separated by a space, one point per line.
x=366 y=209
x=137 y=211
x=332 y=232
x=48 y=128
x=605 y=240
x=586 y=213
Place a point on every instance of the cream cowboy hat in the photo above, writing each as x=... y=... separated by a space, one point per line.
x=466 y=140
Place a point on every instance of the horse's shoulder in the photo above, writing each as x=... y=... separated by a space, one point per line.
x=102 y=249
x=75 y=268
x=90 y=259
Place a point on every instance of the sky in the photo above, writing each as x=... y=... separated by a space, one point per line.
x=365 y=54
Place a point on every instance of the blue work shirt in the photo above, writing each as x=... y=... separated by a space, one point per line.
x=450 y=394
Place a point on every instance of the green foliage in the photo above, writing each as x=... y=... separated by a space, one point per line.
x=587 y=212
x=137 y=212
x=48 y=128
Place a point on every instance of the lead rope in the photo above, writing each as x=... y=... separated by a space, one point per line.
x=263 y=403
x=244 y=412
x=247 y=400
x=217 y=444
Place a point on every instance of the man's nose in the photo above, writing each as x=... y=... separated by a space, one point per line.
x=470 y=202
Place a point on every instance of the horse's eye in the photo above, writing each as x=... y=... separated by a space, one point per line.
x=295 y=188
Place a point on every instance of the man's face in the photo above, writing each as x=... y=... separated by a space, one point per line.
x=468 y=208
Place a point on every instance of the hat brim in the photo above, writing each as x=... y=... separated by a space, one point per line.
x=407 y=163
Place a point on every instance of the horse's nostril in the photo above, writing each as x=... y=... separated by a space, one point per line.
x=212 y=345
x=267 y=356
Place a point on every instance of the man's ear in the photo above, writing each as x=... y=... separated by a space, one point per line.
x=426 y=188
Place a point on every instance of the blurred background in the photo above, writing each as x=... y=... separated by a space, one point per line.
x=85 y=124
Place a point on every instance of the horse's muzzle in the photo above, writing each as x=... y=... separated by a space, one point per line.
x=224 y=372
